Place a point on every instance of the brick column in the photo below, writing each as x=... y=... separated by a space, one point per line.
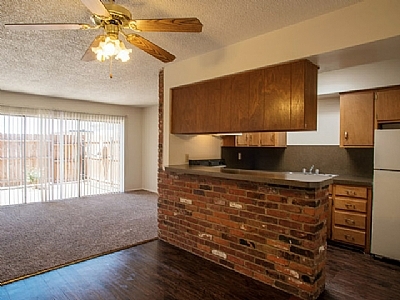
x=160 y=123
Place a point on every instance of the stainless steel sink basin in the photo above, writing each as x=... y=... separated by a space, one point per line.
x=312 y=174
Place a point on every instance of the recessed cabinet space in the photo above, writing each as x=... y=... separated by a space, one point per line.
x=351 y=215
x=276 y=98
x=261 y=139
x=387 y=105
x=357 y=120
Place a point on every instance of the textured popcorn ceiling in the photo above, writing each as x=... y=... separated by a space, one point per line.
x=49 y=62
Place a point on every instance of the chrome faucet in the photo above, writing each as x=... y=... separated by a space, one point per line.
x=311 y=169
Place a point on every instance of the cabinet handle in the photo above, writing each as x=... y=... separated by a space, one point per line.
x=350 y=206
x=348 y=237
x=350 y=193
x=346 y=135
x=350 y=221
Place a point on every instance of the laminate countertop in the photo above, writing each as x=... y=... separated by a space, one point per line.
x=295 y=179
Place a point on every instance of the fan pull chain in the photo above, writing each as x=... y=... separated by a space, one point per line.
x=111 y=67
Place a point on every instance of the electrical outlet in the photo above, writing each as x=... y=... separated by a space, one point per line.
x=239 y=156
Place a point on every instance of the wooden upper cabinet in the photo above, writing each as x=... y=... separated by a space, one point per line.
x=239 y=102
x=261 y=139
x=273 y=139
x=192 y=106
x=357 y=119
x=208 y=99
x=256 y=100
x=242 y=140
x=183 y=109
x=303 y=106
x=387 y=105
x=276 y=98
x=254 y=138
x=225 y=104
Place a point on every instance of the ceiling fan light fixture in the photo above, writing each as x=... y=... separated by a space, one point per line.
x=110 y=48
x=123 y=54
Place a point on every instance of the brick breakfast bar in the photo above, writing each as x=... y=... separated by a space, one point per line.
x=270 y=226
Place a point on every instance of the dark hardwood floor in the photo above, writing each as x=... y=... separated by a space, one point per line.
x=157 y=270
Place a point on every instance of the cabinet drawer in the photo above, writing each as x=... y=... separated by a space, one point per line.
x=351 y=191
x=351 y=204
x=354 y=220
x=348 y=235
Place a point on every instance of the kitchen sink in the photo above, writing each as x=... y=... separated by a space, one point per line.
x=311 y=174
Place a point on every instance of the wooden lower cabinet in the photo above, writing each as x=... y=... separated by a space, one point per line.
x=349 y=236
x=329 y=221
x=351 y=215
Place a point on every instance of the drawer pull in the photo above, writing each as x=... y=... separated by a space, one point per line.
x=349 y=237
x=350 y=193
x=350 y=206
x=350 y=221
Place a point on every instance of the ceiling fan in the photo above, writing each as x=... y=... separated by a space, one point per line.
x=114 y=19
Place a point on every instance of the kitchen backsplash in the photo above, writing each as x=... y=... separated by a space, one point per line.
x=328 y=159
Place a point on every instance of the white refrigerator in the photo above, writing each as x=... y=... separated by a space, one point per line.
x=385 y=239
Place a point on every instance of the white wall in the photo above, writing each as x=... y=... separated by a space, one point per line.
x=133 y=125
x=150 y=148
x=358 y=24
x=328 y=121
x=196 y=146
x=380 y=74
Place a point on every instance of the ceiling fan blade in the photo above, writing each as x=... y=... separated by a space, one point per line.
x=150 y=48
x=167 y=25
x=46 y=26
x=89 y=54
x=96 y=7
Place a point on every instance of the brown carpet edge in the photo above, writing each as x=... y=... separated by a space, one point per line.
x=77 y=261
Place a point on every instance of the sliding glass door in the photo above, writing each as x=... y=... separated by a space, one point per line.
x=51 y=155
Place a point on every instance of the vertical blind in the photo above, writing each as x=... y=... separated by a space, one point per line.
x=50 y=155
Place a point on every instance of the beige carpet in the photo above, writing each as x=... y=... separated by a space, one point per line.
x=37 y=237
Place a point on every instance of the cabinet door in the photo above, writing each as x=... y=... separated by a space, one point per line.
x=277 y=97
x=357 y=119
x=273 y=139
x=242 y=140
x=267 y=139
x=239 y=102
x=254 y=139
x=387 y=105
x=183 y=110
x=303 y=106
x=225 y=106
x=256 y=100
x=208 y=97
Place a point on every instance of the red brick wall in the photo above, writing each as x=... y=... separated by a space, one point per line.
x=271 y=233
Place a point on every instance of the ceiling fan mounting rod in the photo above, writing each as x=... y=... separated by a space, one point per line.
x=112 y=30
